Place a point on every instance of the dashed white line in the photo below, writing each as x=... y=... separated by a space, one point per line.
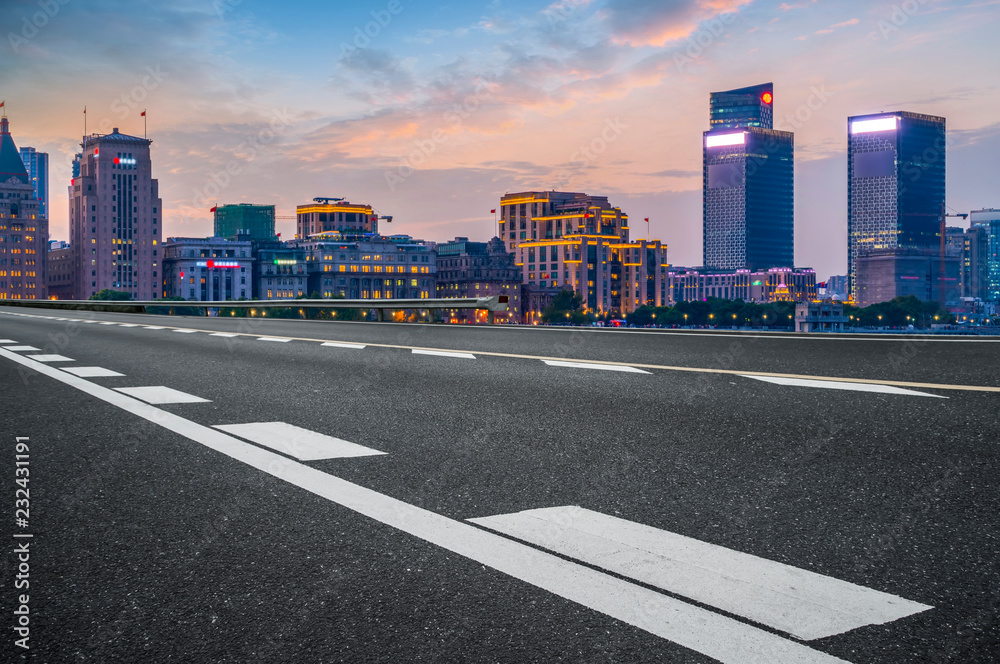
x=336 y=344
x=275 y=339
x=108 y=323
x=51 y=358
x=153 y=327
x=185 y=331
x=444 y=353
x=21 y=348
x=91 y=372
x=837 y=385
x=601 y=367
x=128 y=324
x=223 y=334
x=158 y=394
x=303 y=444
x=7 y=341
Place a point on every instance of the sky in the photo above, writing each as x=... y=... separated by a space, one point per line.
x=431 y=112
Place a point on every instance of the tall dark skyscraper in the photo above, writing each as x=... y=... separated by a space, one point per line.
x=749 y=181
x=37 y=165
x=895 y=184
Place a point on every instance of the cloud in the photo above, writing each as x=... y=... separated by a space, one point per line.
x=826 y=31
x=657 y=23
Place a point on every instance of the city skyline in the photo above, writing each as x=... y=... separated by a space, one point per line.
x=607 y=97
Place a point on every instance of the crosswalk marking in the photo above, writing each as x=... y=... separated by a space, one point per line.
x=158 y=394
x=20 y=348
x=796 y=601
x=838 y=385
x=277 y=339
x=91 y=372
x=444 y=353
x=603 y=367
x=51 y=358
x=303 y=444
x=336 y=344
x=7 y=341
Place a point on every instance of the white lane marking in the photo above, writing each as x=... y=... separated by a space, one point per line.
x=725 y=639
x=154 y=327
x=802 y=603
x=185 y=331
x=88 y=321
x=91 y=372
x=444 y=353
x=303 y=444
x=603 y=367
x=335 y=344
x=51 y=358
x=159 y=394
x=7 y=341
x=128 y=324
x=223 y=334
x=837 y=385
x=108 y=323
x=20 y=348
x=280 y=341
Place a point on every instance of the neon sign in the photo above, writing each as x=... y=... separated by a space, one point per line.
x=725 y=139
x=218 y=264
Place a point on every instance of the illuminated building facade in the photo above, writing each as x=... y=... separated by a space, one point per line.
x=780 y=284
x=37 y=165
x=748 y=183
x=334 y=216
x=886 y=274
x=895 y=185
x=478 y=269
x=987 y=222
x=281 y=270
x=115 y=218
x=579 y=242
x=368 y=266
x=209 y=269
x=24 y=230
x=255 y=221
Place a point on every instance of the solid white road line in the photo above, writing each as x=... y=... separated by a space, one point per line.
x=837 y=385
x=91 y=372
x=802 y=603
x=19 y=348
x=303 y=444
x=722 y=638
x=51 y=358
x=185 y=331
x=603 y=367
x=277 y=339
x=444 y=353
x=342 y=345
x=223 y=334
x=159 y=394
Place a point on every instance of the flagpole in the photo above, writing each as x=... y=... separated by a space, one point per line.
x=144 y=123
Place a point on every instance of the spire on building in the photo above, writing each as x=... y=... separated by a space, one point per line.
x=11 y=165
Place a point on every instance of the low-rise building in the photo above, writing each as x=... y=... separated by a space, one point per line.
x=776 y=284
x=825 y=316
x=60 y=273
x=887 y=274
x=280 y=271
x=211 y=269
x=478 y=269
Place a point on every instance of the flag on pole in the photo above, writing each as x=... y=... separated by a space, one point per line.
x=214 y=208
x=2 y=103
x=143 y=114
x=491 y=211
x=84 y=110
x=647 y=218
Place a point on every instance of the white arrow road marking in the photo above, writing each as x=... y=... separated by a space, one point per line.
x=586 y=365
x=802 y=603
x=159 y=394
x=838 y=385
x=91 y=372
x=303 y=444
x=444 y=353
x=719 y=637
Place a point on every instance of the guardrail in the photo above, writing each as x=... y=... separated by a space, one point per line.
x=490 y=304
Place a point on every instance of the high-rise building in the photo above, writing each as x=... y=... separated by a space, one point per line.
x=895 y=184
x=748 y=184
x=579 y=242
x=325 y=215
x=37 y=165
x=116 y=218
x=24 y=230
x=743 y=107
x=257 y=221
x=987 y=221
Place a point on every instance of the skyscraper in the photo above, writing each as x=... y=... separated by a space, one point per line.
x=24 y=231
x=987 y=222
x=37 y=165
x=895 y=184
x=116 y=218
x=748 y=183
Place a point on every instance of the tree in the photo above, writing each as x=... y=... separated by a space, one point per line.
x=566 y=307
x=108 y=294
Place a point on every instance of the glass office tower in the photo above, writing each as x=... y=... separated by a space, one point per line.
x=895 y=184
x=37 y=165
x=748 y=184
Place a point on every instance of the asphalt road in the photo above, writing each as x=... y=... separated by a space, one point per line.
x=157 y=536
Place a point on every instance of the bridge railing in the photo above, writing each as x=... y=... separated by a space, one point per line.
x=489 y=304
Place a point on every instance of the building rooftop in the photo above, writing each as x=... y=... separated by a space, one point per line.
x=11 y=165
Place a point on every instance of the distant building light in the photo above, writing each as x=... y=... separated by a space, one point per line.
x=766 y=98
x=217 y=264
x=725 y=139
x=284 y=261
x=889 y=123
